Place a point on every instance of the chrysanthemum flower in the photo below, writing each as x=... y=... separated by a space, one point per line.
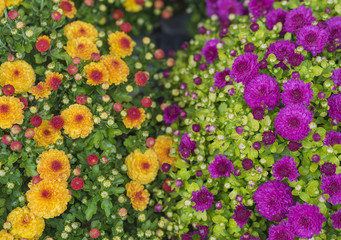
x=226 y=7
x=273 y=200
x=334 y=28
x=45 y=134
x=121 y=45
x=296 y=92
x=42 y=90
x=312 y=38
x=282 y=49
x=259 y=8
x=81 y=47
x=334 y=103
x=24 y=224
x=68 y=8
x=135 y=117
x=11 y=111
x=332 y=138
x=79 y=29
x=19 y=74
x=2 y=7
x=54 y=165
x=78 y=121
x=53 y=80
x=285 y=167
x=141 y=78
x=262 y=90
x=203 y=199
x=220 y=167
x=133 y=5
x=13 y=3
x=171 y=114
x=48 y=199
x=4 y=235
x=220 y=79
x=275 y=16
x=332 y=185
x=210 y=50
x=187 y=146
x=292 y=122
x=142 y=167
x=139 y=197
x=306 y=220
x=336 y=77
x=336 y=218
x=117 y=68
x=244 y=68
x=298 y=18
x=241 y=215
x=162 y=148
x=282 y=231
x=43 y=43
x=96 y=73
x=328 y=169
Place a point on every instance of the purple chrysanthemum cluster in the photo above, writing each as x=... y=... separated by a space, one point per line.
x=210 y=50
x=186 y=147
x=296 y=91
x=223 y=8
x=203 y=199
x=220 y=167
x=244 y=68
x=285 y=168
x=171 y=114
x=220 y=79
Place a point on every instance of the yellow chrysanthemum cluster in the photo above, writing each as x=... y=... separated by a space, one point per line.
x=121 y=45
x=130 y=122
x=43 y=89
x=96 y=73
x=79 y=29
x=4 y=235
x=81 y=47
x=9 y=3
x=162 y=148
x=45 y=134
x=11 y=111
x=139 y=197
x=117 y=68
x=2 y=7
x=132 y=6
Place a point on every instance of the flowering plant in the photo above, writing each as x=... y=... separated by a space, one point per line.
x=255 y=118
x=78 y=110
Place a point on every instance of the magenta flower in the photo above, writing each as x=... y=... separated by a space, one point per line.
x=285 y=167
x=336 y=218
x=282 y=231
x=297 y=18
x=220 y=79
x=282 y=49
x=227 y=7
x=203 y=199
x=241 y=215
x=332 y=185
x=186 y=147
x=244 y=68
x=171 y=114
x=334 y=29
x=268 y=138
x=296 y=92
x=312 y=38
x=211 y=7
x=210 y=50
x=259 y=8
x=336 y=77
x=274 y=17
x=334 y=103
x=332 y=138
x=220 y=167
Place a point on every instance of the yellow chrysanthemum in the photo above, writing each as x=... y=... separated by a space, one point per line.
x=79 y=29
x=96 y=73
x=19 y=74
x=135 y=117
x=68 y=8
x=11 y=111
x=77 y=121
x=48 y=199
x=54 y=165
x=2 y=7
x=117 y=68
x=24 y=224
x=139 y=198
x=13 y=2
x=42 y=90
x=45 y=134
x=142 y=167
x=132 y=6
x=162 y=147
x=53 y=80
x=121 y=45
x=4 y=235
x=81 y=47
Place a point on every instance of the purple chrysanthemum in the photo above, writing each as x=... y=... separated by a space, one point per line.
x=273 y=200
x=294 y=146
x=210 y=50
x=292 y=122
x=336 y=218
x=332 y=185
x=171 y=114
x=226 y=7
x=282 y=49
x=336 y=77
x=274 y=17
x=211 y=7
x=297 y=18
x=203 y=231
x=185 y=236
x=241 y=215
x=262 y=90
x=312 y=38
x=328 y=169
x=285 y=167
x=220 y=79
x=283 y=231
x=332 y=138
x=259 y=8
x=334 y=103
x=203 y=199
x=306 y=220
x=334 y=29
x=220 y=167
x=268 y=138
x=296 y=92
x=295 y=59
x=244 y=67
x=186 y=147
x=258 y=113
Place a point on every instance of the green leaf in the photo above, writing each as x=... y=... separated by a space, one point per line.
x=92 y=208
x=107 y=206
x=219 y=219
x=12 y=159
x=304 y=196
x=181 y=164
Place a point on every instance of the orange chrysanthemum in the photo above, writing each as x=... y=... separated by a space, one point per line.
x=11 y=111
x=54 y=165
x=43 y=43
x=135 y=117
x=19 y=74
x=139 y=197
x=4 y=235
x=162 y=147
x=24 y=224
x=68 y=8
x=117 y=68
x=48 y=199
x=2 y=7
x=81 y=47
x=42 y=90
x=121 y=45
x=96 y=73
x=9 y=3
x=77 y=121
x=79 y=29
x=142 y=167
x=45 y=134
x=132 y=6
x=53 y=80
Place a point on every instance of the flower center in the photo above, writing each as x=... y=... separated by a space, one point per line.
x=125 y=43
x=139 y=195
x=96 y=75
x=202 y=198
x=16 y=72
x=79 y=118
x=242 y=214
x=4 y=108
x=311 y=38
x=296 y=95
x=145 y=165
x=82 y=30
x=222 y=168
x=80 y=46
x=133 y=113
x=242 y=67
x=298 y=19
x=305 y=222
x=26 y=218
x=56 y=166
x=334 y=187
x=282 y=235
x=284 y=171
x=45 y=194
x=294 y=122
x=47 y=132
x=262 y=91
